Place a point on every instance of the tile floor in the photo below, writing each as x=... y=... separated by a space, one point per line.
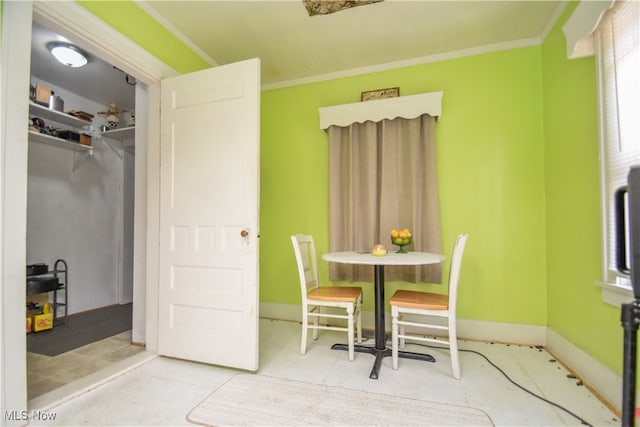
x=46 y=373
x=161 y=391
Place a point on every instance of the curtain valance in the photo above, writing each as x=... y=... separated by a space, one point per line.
x=578 y=29
x=408 y=107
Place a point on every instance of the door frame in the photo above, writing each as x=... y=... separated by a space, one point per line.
x=91 y=33
x=94 y=35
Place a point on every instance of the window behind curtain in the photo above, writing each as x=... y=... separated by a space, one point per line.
x=618 y=55
x=382 y=175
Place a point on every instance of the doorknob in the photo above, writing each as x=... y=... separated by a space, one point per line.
x=244 y=233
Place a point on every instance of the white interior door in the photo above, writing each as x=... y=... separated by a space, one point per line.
x=208 y=298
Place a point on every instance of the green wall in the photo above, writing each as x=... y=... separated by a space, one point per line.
x=517 y=168
x=574 y=304
x=490 y=170
x=129 y=19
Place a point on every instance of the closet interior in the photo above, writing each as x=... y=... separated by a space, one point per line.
x=80 y=199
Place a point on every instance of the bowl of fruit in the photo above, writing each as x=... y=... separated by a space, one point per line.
x=401 y=238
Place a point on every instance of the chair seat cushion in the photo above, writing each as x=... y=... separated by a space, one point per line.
x=423 y=300
x=335 y=293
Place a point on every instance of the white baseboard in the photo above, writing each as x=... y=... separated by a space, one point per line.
x=293 y=313
x=271 y=310
x=472 y=329
x=513 y=333
x=599 y=378
x=594 y=374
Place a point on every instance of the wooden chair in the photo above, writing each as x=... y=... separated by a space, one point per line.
x=424 y=306
x=314 y=297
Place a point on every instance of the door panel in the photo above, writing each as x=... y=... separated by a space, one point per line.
x=209 y=195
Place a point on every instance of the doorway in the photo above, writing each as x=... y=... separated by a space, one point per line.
x=77 y=24
x=80 y=209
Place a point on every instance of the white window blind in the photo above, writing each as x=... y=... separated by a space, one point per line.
x=618 y=47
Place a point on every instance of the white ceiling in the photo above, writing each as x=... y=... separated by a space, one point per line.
x=295 y=47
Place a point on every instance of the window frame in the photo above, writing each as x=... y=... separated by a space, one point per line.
x=616 y=286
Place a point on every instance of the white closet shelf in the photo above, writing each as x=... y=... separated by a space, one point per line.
x=120 y=133
x=58 y=142
x=46 y=113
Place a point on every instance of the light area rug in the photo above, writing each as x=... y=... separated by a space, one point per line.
x=256 y=400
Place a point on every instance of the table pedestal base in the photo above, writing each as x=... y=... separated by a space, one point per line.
x=381 y=354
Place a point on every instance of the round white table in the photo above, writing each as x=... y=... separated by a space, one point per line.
x=410 y=258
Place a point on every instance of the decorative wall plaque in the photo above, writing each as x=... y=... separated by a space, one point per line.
x=370 y=95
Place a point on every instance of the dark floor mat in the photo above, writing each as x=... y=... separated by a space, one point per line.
x=81 y=329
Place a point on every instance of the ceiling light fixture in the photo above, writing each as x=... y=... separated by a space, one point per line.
x=325 y=7
x=68 y=54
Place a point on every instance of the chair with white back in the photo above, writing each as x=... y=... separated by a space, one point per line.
x=315 y=297
x=423 y=308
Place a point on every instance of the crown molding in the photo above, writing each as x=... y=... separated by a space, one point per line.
x=479 y=50
x=142 y=4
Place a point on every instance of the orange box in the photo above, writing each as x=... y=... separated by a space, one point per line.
x=41 y=322
x=85 y=139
